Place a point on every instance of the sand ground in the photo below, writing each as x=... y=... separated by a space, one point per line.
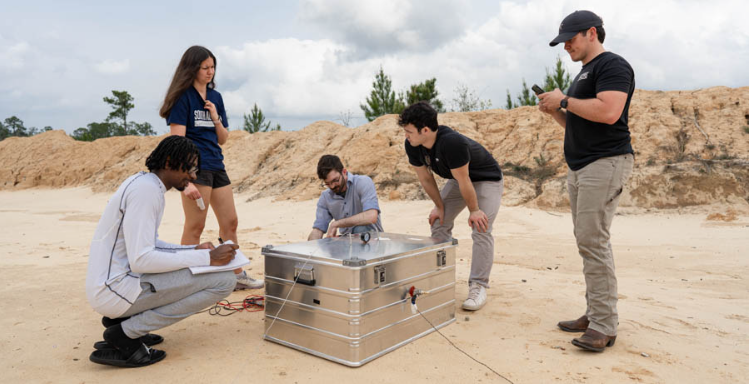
x=684 y=301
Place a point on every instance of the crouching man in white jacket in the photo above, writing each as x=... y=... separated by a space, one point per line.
x=138 y=282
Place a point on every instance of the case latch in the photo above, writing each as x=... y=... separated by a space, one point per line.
x=379 y=274
x=441 y=258
x=304 y=274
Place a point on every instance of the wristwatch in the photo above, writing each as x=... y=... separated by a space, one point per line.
x=563 y=102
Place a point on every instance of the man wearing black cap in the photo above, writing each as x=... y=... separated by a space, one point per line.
x=599 y=154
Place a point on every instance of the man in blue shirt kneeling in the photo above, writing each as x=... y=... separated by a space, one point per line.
x=349 y=203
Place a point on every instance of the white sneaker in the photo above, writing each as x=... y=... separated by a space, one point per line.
x=245 y=282
x=476 y=297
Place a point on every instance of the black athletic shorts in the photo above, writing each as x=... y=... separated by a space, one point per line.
x=214 y=179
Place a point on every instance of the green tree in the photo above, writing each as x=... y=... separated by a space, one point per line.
x=4 y=133
x=255 y=122
x=15 y=127
x=121 y=104
x=509 y=104
x=559 y=78
x=382 y=99
x=466 y=100
x=141 y=129
x=95 y=130
x=425 y=91
x=556 y=78
x=116 y=123
x=526 y=97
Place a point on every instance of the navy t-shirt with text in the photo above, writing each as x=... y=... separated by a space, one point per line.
x=189 y=112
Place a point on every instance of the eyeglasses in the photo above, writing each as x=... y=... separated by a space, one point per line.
x=333 y=182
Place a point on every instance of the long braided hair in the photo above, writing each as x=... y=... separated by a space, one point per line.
x=177 y=152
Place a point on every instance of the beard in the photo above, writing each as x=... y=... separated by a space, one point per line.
x=340 y=190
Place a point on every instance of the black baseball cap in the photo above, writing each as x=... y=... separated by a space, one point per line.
x=576 y=21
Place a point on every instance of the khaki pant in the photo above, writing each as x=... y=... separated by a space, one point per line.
x=594 y=194
x=489 y=196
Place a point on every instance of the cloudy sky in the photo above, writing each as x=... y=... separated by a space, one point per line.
x=308 y=60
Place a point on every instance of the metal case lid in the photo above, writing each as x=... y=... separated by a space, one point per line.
x=352 y=250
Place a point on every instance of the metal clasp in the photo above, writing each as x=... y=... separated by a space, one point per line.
x=441 y=258
x=379 y=274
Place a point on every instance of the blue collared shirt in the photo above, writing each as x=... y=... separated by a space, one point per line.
x=361 y=196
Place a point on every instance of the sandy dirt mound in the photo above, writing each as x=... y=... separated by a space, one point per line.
x=692 y=149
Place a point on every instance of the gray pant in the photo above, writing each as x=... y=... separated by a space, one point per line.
x=168 y=298
x=594 y=195
x=489 y=196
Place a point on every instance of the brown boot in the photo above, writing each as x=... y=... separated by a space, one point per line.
x=577 y=326
x=594 y=341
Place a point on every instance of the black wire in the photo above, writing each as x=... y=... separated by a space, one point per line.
x=461 y=350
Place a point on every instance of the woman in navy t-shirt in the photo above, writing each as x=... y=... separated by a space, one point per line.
x=193 y=108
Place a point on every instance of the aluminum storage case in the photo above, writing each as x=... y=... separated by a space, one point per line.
x=351 y=302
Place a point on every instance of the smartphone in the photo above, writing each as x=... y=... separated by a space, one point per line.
x=537 y=89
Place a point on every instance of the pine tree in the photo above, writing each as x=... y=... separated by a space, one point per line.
x=255 y=122
x=15 y=127
x=121 y=104
x=382 y=99
x=526 y=97
x=427 y=92
x=560 y=78
x=509 y=104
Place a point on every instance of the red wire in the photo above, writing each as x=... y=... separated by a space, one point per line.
x=248 y=304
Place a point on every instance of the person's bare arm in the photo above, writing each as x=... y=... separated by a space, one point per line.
x=606 y=107
x=362 y=219
x=315 y=234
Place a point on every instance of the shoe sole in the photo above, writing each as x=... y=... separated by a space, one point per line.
x=157 y=356
x=591 y=348
x=472 y=308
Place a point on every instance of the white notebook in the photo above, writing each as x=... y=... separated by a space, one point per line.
x=239 y=260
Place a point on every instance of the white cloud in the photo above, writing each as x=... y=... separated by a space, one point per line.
x=12 y=55
x=111 y=67
x=386 y=26
x=325 y=62
x=295 y=77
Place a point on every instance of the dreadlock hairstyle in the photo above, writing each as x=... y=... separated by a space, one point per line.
x=177 y=152
x=184 y=76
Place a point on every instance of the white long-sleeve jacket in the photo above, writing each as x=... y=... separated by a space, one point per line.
x=126 y=245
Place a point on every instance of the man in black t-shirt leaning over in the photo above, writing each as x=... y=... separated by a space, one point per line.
x=474 y=180
x=599 y=154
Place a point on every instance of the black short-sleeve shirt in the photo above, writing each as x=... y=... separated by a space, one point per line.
x=452 y=150
x=586 y=141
